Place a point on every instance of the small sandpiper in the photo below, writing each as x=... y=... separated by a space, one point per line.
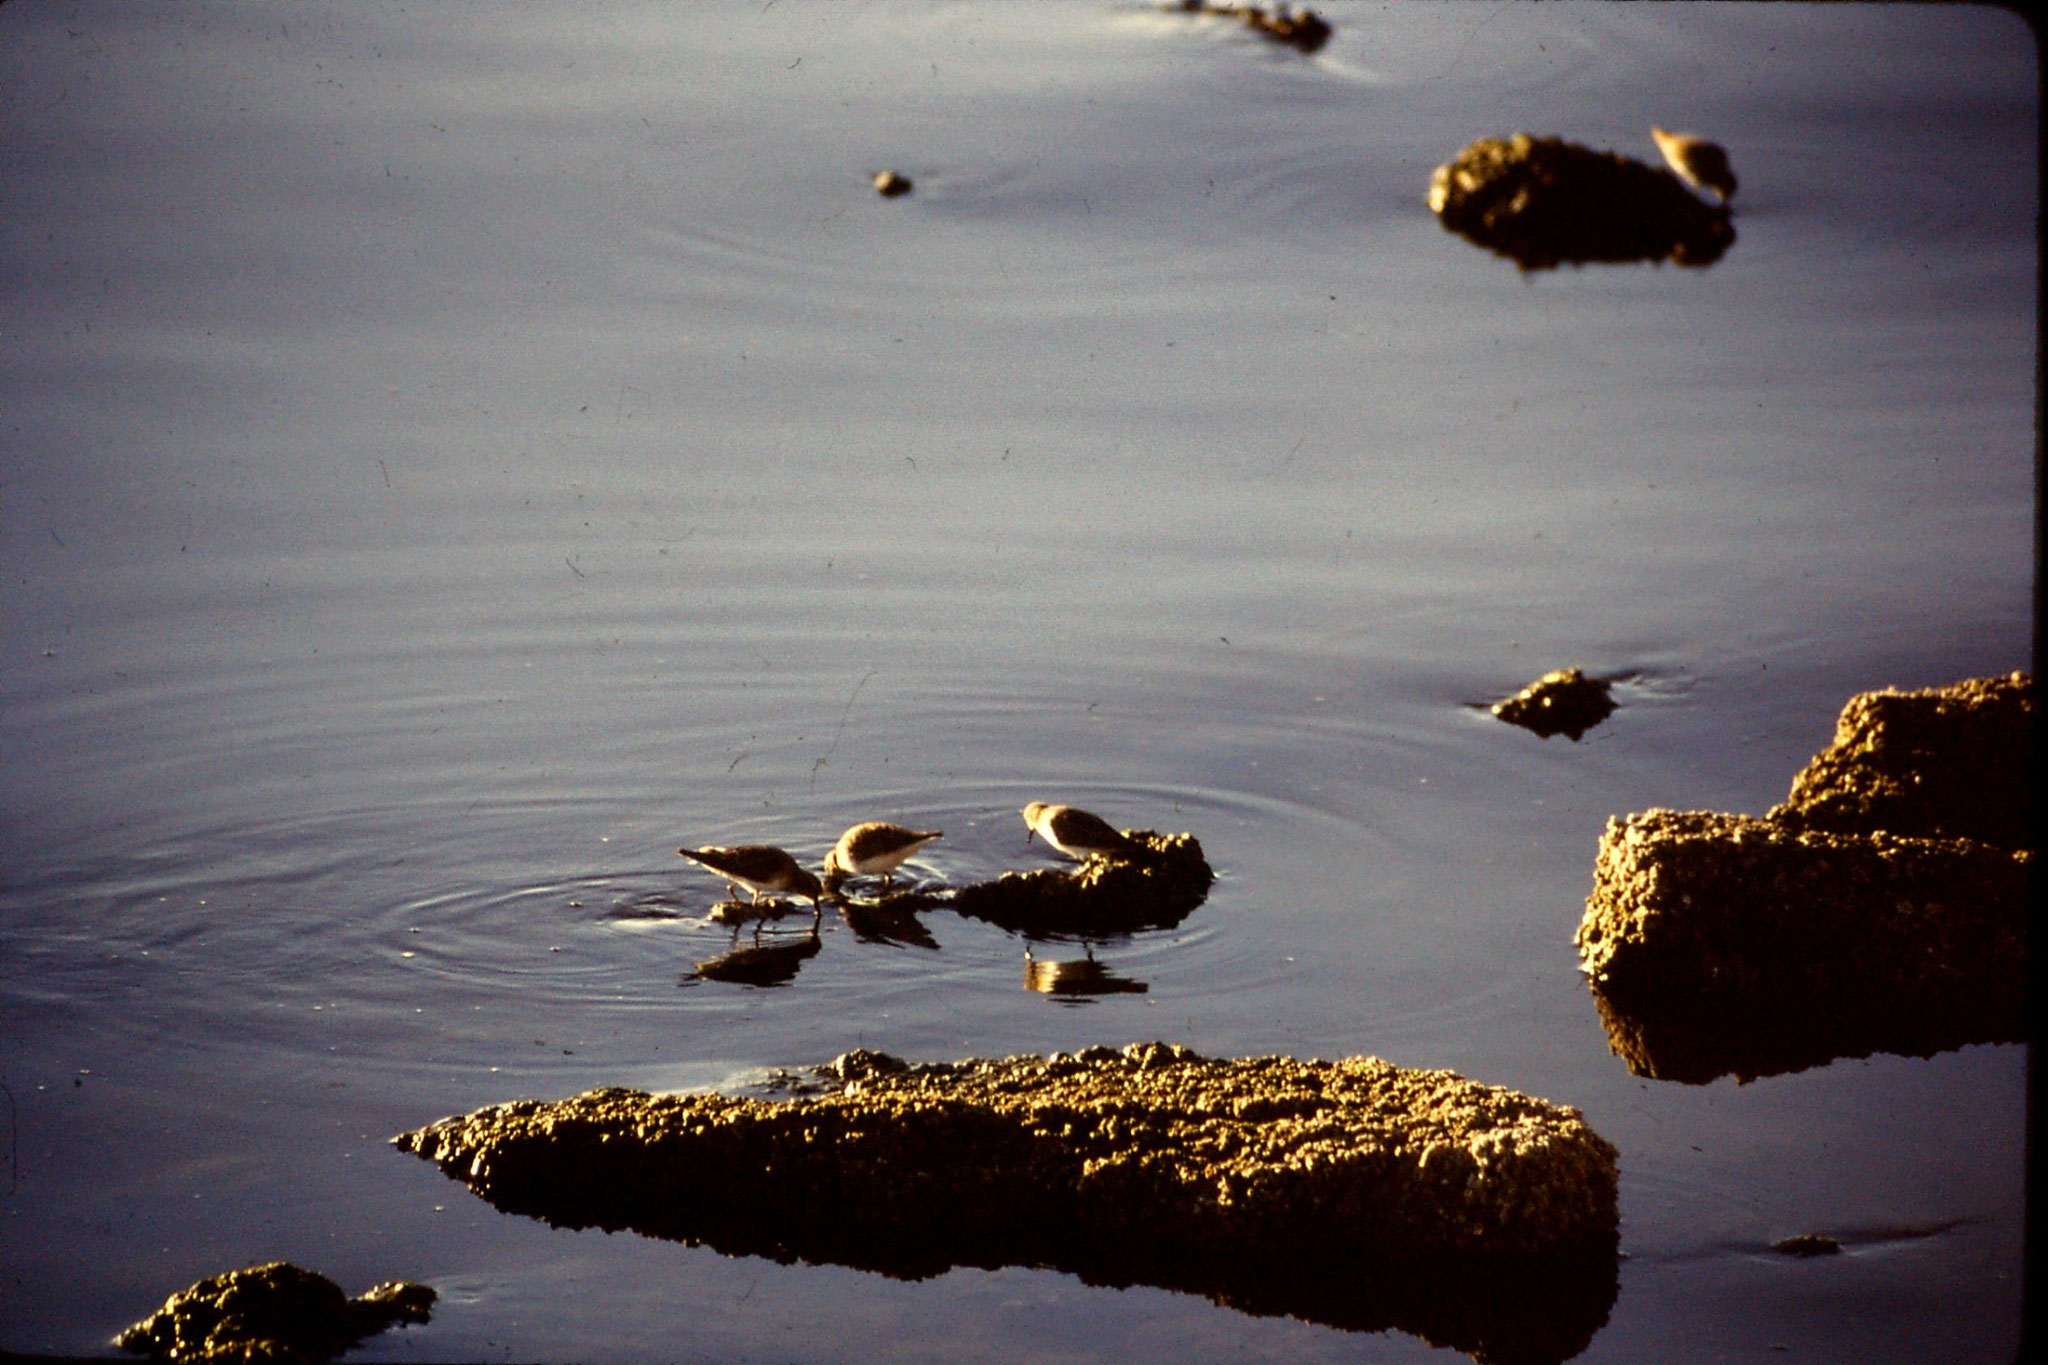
x=759 y=868
x=1700 y=163
x=1076 y=833
x=874 y=846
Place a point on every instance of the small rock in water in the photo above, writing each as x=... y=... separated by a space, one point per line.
x=274 y=1312
x=889 y=184
x=1562 y=702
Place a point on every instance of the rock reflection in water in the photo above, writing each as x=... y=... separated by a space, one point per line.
x=892 y=919
x=758 y=964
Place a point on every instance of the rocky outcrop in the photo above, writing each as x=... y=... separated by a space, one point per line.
x=1883 y=907
x=1352 y=1192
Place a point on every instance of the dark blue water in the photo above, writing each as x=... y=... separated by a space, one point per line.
x=456 y=457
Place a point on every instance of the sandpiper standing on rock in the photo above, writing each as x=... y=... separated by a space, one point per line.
x=874 y=846
x=759 y=868
x=1076 y=833
x=1700 y=163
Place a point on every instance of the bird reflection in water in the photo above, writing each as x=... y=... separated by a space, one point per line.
x=1074 y=981
x=758 y=964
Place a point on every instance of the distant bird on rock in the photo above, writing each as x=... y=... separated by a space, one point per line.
x=1700 y=163
x=1076 y=833
x=759 y=868
x=874 y=847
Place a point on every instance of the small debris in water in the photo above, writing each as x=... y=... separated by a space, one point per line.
x=1808 y=1244
x=890 y=184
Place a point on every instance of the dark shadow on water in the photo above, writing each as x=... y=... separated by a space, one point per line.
x=1696 y=1044
x=892 y=919
x=1517 y=1313
x=758 y=963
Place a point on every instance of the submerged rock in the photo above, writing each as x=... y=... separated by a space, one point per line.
x=1542 y=202
x=1561 y=702
x=1104 y=895
x=1353 y=1192
x=274 y=1313
x=1720 y=944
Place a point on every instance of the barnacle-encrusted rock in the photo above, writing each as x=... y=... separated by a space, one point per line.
x=1103 y=895
x=271 y=1313
x=1563 y=701
x=1947 y=762
x=1354 y=1192
x=1542 y=201
x=1883 y=908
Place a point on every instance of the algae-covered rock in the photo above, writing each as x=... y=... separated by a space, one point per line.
x=1104 y=895
x=1944 y=762
x=277 y=1312
x=1542 y=202
x=1353 y=1192
x=1561 y=702
x=1882 y=909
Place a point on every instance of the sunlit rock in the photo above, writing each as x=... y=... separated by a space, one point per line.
x=1156 y=889
x=1354 y=1192
x=1562 y=702
x=890 y=184
x=276 y=1312
x=1882 y=909
x=1944 y=762
x=1543 y=202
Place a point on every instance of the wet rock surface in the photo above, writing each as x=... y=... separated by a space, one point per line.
x=1561 y=702
x=1544 y=202
x=277 y=1312
x=1729 y=944
x=1354 y=1193
x=1156 y=890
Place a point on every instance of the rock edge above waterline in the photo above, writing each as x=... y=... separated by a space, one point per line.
x=1149 y=1150
x=1881 y=908
x=1157 y=889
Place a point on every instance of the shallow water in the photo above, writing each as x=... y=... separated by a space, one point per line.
x=455 y=457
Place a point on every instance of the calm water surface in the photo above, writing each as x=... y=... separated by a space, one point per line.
x=456 y=455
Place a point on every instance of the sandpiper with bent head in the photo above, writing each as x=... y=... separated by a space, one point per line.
x=760 y=868
x=1076 y=833
x=874 y=847
x=1700 y=163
